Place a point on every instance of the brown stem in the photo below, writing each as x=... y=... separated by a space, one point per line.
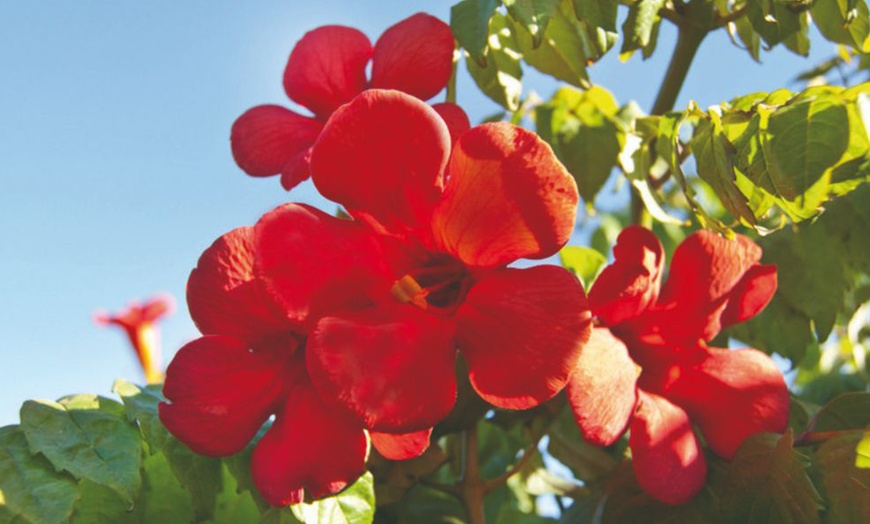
x=472 y=487
x=816 y=437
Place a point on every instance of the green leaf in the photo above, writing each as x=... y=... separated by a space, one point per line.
x=354 y=505
x=532 y=15
x=559 y=53
x=501 y=77
x=842 y=21
x=198 y=474
x=99 y=503
x=582 y=129
x=846 y=485
x=234 y=504
x=774 y=21
x=714 y=155
x=637 y=29
x=163 y=499
x=847 y=411
x=469 y=20
x=584 y=262
x=598 y=17
x=767 y=481
x=89 y=437
x=31 y=491
x=750 y=39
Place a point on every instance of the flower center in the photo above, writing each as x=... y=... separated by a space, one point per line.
x=439 y=284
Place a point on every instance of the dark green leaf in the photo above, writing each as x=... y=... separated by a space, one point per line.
x=501 y=78
x=163 y=499
x=839 y=24
x=532 y=15
x=637 y=29
x=599 y=19
x=750 y=39
x=469 y=20
x=354 y=505
x=89 y=437
x=99 y=503
x=767 y=481
x=584 y=262
x=30 y=488
x=848 y=411
x=560 y=53
x=234 y=505
x=846 y=485
x=774 y=21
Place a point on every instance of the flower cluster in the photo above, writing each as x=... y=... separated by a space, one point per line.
x=347 y=331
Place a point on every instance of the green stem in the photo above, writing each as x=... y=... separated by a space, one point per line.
x=689 y=38
x=451 y=84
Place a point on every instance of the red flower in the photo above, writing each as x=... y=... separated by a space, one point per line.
x=250 y=365
x=139 y=323
x=423 y=265
x=326 y=69
x=650 y=370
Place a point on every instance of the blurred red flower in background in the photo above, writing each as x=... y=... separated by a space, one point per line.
x=422 y=266
x=649 y=368
x=139 y=322
x=327 y=68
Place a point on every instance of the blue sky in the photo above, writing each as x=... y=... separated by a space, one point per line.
x=116 y=168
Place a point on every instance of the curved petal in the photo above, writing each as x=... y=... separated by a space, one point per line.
x=383 y=155
x=401 y=446
x=310 y=452
x=667 y=459
x=455 y=118
x=704 y=272
x=315 y=264
x=507 y=197
x=327 y=68
x=602 y=389
x=751 y=295
x=730 y=395
x=414 y=56
x=392 y=365
x=220 y=392
x=630 y=284
x=521 y=332
x=266 y=137
x=225 y=298
x=297 y=170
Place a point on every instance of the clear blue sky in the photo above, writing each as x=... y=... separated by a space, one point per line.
x=116 y=168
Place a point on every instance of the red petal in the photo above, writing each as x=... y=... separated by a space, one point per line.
x=630 y=284
x=310 y=452
x=224 y=296
x=221 y=392
x=602 y=388
x=266 y=137
x=401 y=446
x=314 y=262
x=751 y=295
x=730 y=395
x=704 y=272
x=455 y=118
x=665 y=454
x=327 y=68
x=521 y=332
x=383 y=155
x=297 y=170
x=507 y=197
x=393 y=366
x=414 y=56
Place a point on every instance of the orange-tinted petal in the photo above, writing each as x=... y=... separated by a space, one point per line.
x=265 y=138
x=382 y=156
x=730 y=395
x=401 y=446
x=310 y=452
x=629 y=285
x=314 y=262
x=220 y=392
x=393 y=366
x=521 y=332
x=414 y=56
x=224 y=296
x=455 y=118
x=705 y=271
x=507 y=197
x=327 y=68
x=667 y=459
x=602 y=389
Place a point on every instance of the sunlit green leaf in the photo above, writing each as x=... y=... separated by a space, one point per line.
x=841 y=22
x=637 y=29
x=774 y=21
x=469 y=20
x=559 y=53
x=599 y=19
x=30 y=488
x=89 y=437
x=532 y=15
x=354 y=505
x=501 y=78
x=584 y=262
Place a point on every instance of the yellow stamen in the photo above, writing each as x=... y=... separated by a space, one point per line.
x=406 y=289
